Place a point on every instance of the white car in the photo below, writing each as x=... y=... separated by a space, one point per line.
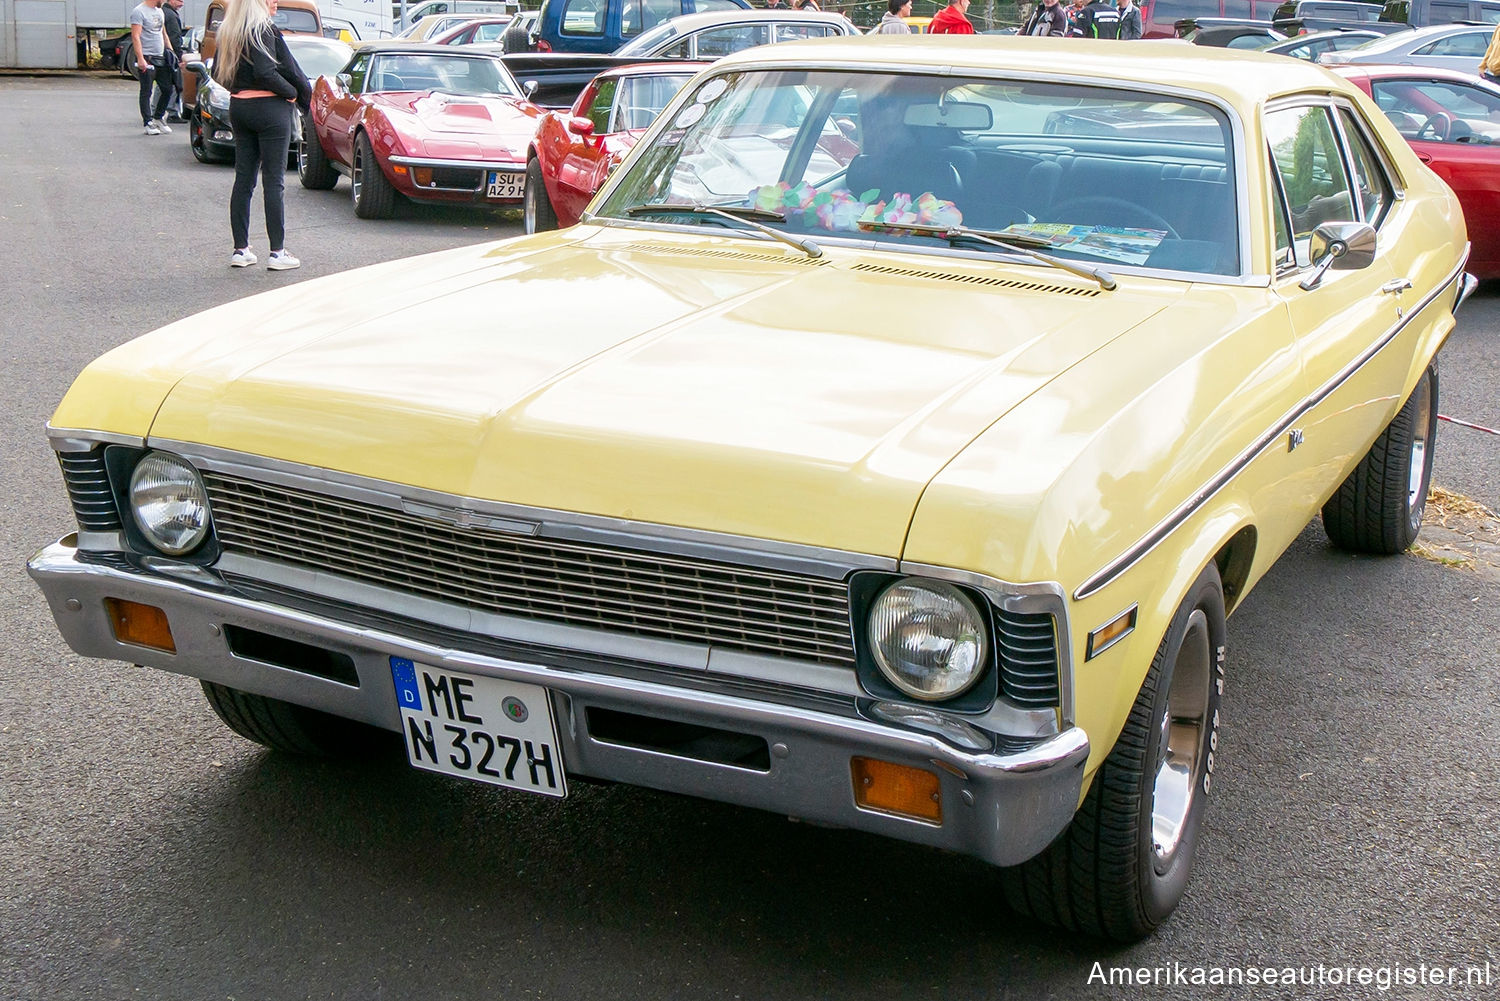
x=715 y=34
x=1442 y=46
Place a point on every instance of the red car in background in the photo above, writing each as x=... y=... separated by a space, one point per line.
x=574 y=150
x=427 y=122
x=480 y=29
x=1452 y=121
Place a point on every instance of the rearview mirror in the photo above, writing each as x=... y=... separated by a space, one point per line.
x=1343 y=246
x=196 y=66
x=344 y=80
x=964 y=115
x=581 y=126
x=530 y=87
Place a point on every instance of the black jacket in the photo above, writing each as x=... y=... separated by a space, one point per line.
x=280 y=75
x=173 y=25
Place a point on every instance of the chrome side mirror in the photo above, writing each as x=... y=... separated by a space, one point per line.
x=345 y=81
x=530 y=87
x=1345 y=246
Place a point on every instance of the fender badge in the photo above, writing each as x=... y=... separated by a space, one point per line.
x=1293 y=439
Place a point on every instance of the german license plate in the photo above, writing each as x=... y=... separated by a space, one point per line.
x=505 y=184
x=479 y=728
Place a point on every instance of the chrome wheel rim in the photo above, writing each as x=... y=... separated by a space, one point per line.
x=1421 y=424
x=356 y=175
x=1180 y=749
x=302 y=148
x=528 y=209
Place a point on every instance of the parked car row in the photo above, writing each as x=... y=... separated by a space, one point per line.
x=887 y=448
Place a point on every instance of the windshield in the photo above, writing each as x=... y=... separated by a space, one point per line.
x=464 y=75
x=1089 y=174
x=317 y=57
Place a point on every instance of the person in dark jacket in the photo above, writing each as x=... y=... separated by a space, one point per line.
x=952 y=20
x=1130 y=20
x=266 y=88
x=1099 y=19
x=172 y=11
x=1048 y=19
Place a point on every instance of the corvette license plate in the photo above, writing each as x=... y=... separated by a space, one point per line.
x=505 y=184
x=479 y=728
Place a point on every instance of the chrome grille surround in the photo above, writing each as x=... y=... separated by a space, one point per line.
x=558 y=580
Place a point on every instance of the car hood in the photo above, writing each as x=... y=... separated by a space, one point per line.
x=484 y=122
x=708 y=382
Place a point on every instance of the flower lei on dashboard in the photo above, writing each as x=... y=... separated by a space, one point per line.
x=841 y=210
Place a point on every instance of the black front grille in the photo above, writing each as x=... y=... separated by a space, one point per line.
x=88 y=488
x=461 y=178
x=1028 y=659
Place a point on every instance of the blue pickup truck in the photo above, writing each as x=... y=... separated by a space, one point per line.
x=605 y=25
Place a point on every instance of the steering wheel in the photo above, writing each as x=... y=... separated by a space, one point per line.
x=1439 y=125
x=1118 y=211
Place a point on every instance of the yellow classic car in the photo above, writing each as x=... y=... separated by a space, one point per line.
x=885 y=448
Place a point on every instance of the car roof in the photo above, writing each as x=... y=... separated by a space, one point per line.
x=1416 y=36
x=305 y=41
x=1385 y=71
x=1237 y=76
x=666 y=66
x=426 y=48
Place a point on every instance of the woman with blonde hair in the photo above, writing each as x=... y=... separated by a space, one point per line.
x=266 y=87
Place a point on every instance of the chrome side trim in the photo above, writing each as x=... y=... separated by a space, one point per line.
x=1221 y=479
x=1048 y=598
x=82 y=440
x=505 y=166
x=768 y=554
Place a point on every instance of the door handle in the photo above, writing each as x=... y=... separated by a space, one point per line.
x=1396 y=285
x=1425 y=157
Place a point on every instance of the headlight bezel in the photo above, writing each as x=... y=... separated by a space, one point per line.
x=121 y=463
x=977 y=697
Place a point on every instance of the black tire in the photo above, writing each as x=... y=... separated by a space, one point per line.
x=195 y=140
x=288 y=728
x=374 y=197
x=537 y=213
x=313 y=168
x=1107 y=874
x=127 y=60
x=1378 y=509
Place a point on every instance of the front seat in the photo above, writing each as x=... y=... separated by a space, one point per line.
x=912 y=171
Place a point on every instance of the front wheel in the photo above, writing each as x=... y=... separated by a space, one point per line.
x=285 y=727
x=537 y=213
x=1378 y=509
x=1121 y=866
x=374 y=196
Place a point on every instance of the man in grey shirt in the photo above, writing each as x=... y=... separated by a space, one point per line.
x=147 y=36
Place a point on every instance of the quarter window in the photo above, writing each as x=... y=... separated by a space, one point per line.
x=604 y=103
x=1469 y=43
x=357 y=71
x=1370 y=180
x=583 y=17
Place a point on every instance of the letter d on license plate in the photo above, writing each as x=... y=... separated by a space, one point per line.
x=479 y=728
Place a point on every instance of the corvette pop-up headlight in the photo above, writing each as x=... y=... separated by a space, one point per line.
x=927 y=638
x=169 y=504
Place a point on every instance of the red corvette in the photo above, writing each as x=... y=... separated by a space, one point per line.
x=1452 y=120
x=430 y=122
x=574 y=150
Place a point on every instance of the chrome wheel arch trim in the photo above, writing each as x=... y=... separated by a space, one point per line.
x=1273 y=436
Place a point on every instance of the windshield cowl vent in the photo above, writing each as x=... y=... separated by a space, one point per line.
x=981 y=281
x=788 y=256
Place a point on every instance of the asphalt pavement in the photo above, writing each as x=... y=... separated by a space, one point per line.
x=147 y=852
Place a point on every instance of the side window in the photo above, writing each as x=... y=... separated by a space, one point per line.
x=1469 y=43
x=489 y=32
x=1447 y=13
x=583 y=17
x=1439 y=110
x=357 y=72
x=723 y=41
x=703 y=5
x=604 y=103
x=791 y=32
x=642 y=98
x=1370 y=180
x=215 y=18
x=1284 y=257
x=1305 y=151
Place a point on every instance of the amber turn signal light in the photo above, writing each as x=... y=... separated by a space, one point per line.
x=899 y=789
x=143 y=625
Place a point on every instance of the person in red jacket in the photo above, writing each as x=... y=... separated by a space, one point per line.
x=951 y=20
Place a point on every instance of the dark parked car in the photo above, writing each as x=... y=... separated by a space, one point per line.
x=605 y=25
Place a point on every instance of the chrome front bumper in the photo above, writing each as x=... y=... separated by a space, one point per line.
x=1002 y=804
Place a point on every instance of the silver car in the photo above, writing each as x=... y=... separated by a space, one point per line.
x=715 y=34
x=1443 y=46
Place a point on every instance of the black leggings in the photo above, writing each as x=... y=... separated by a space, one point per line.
x=262 y=137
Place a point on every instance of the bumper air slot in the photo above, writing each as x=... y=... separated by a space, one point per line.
x=292 y=655
x=685 y=740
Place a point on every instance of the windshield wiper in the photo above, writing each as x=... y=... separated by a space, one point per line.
x=1017 y=242
x=743 y=214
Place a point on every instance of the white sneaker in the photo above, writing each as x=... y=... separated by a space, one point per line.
x=162 y=126
x=280 y=260
x=152 y=129
x=243 y=258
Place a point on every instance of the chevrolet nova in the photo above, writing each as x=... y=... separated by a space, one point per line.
x=877 y=450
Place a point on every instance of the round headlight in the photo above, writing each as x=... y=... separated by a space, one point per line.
x=928 y=638
x=169 y=503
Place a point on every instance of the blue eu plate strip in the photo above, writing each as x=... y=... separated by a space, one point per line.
x=405 y=674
